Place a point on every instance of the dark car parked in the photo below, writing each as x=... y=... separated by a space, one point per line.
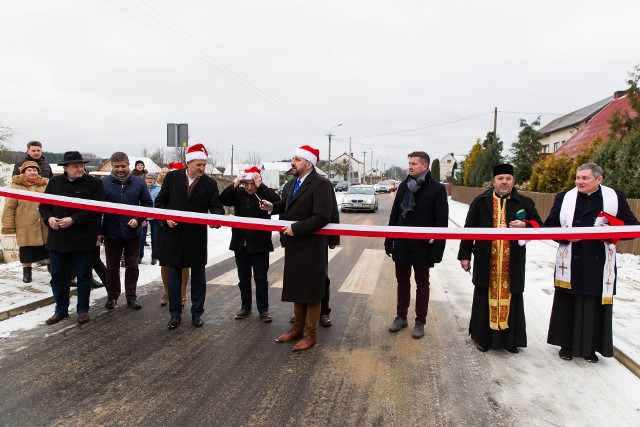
x=342 y=186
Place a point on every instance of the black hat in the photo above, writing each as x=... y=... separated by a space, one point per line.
x=71 y=157
x=503 y=169
x=139 y=161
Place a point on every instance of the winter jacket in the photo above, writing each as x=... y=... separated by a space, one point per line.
x=154 y=190
x=256 y=241
x=22 y=217
x=133 y=191
x=83 y=233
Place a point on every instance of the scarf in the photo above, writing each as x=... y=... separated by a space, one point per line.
x=120 y=180
x=563 y=256
x=408 y=204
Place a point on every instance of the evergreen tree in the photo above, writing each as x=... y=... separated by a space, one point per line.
x=435 y=170
x=527 y=150
x=481 y=171
x=468 y=162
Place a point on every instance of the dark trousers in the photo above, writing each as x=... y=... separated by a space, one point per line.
x=98 y=266
x=198 y=291
x=143 y=239
x=61 y=265
x=113 y=250
x=324 y=307
x=403 y=275
x=259 y=262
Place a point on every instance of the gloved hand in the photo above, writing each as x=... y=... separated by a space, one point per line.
x=388 y=246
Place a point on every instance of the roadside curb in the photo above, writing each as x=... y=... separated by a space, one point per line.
x=16 y=311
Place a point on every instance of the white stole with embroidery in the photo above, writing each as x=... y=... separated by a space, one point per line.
x=563 y=256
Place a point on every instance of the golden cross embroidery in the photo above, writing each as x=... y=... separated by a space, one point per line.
x=563 y=267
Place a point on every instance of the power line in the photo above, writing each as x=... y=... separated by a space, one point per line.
x=158 y=23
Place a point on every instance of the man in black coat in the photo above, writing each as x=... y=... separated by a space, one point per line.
x=73 y=235
x=497 y=313
x=420 y=202
x=34 y=154
x=585 y=274
x=308 y=204
x=251 y=247
x=184 y=244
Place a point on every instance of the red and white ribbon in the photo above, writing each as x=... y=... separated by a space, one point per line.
x=333 y=229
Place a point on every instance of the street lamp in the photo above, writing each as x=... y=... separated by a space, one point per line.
x=330 y=135
x=364 y=166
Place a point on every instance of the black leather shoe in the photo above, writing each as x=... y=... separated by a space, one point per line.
x=154 y=261
x=173 y=322
x=592 y=359
x=111 y=304
x=95 y=284
x=482 y=348
x=133 y=303
x=242 y=313
x=565 y=354
x=197 y=322
x=513 y=350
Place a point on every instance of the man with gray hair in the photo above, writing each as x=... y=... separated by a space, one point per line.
x=585 y=272
x=123 y=232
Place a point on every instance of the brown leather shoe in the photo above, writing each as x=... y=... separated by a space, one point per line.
x=164 y=299
x=325 y=320
x=56 y=318
x=83 y=318
x=291 y=335
x=304 y=344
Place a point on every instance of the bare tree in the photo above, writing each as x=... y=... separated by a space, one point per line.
x=253 y=158
x=159 y=157
x=5 y=135
x=145 y=152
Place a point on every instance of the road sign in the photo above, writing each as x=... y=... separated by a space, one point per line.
x=177 y=134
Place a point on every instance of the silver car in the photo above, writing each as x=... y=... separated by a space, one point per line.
x=360 y=198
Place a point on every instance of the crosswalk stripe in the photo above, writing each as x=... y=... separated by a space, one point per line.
x=332 y=253
x=230 y=278
x=363 y=278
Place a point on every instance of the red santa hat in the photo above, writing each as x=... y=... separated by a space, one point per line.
x=196 y=152
x=175 y=166
x=248 y=173
x=308 y=153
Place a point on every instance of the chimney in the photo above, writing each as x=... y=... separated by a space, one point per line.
x=619 y=94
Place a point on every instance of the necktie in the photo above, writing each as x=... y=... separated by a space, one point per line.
x=295 y=187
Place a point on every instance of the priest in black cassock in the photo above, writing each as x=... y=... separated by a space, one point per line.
x=497 y=313
x=585 y=273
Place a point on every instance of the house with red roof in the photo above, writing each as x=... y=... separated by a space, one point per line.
x=598 y=126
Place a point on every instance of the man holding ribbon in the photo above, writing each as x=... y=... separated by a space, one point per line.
x=184 y=244
x=497 y=312
x=251 y=247
x=585 y=272
x=420 y=201
x=308 y=204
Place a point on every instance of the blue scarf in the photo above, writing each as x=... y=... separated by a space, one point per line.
x=408 y=204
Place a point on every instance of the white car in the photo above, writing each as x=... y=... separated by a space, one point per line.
x=360 y=198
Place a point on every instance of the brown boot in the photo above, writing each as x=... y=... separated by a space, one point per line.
x=291 y=335
x=305 y=343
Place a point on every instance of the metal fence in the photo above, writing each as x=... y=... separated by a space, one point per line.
x=543 y=202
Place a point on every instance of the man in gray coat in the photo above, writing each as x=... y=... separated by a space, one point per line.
x=308 y=204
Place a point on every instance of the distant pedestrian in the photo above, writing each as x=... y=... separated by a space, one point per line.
x=22 y=218
x=251 y=247
x=34 y=154
x=309 y=205
x=154 y=189
x=585 y=274
x=72 y=235
x=497 y=313
x=420 y=201
x=184 y=244
x=122 y=233
x=162 y=174
x=139 y=169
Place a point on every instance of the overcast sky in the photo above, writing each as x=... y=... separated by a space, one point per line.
x=269 y=76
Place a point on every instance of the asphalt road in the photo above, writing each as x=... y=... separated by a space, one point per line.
x=126 y=368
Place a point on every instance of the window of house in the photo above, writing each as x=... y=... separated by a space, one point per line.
x=448 y=160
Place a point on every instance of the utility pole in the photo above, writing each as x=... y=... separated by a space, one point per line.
x=372 y=166
x=330 y=135
x=364 y=165
x=231 y=159
x=495 y=123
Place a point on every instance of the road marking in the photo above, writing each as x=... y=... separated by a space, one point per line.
x=332 y=253
x=363 y=277
x=230 y=278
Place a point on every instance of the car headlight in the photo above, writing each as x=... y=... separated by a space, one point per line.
x=368 y=201
x=346 y=200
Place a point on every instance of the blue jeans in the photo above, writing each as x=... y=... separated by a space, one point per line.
x=61 y=265
x=153 y=227
x=260 y=264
